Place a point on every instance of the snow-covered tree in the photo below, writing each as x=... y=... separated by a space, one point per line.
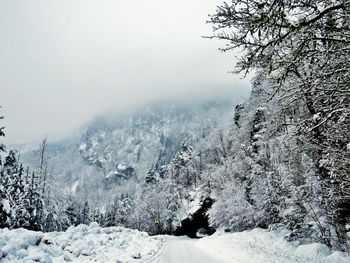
x=302 y=49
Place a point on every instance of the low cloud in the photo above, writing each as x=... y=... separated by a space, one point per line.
x=62 y=62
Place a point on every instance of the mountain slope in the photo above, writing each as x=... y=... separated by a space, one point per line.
x=115 y=151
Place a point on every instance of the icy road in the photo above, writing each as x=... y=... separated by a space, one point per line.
x=251 y=246
x=184 y=250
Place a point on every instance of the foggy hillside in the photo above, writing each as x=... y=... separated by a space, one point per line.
x=116 y=150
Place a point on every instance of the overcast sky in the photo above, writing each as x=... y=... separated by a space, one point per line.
x=62 y=62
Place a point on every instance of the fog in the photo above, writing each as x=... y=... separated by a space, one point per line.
x=62 y=62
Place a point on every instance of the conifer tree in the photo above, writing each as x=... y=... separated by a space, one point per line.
x=302 y=49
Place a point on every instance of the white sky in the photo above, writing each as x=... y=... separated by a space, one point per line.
x=62 y=62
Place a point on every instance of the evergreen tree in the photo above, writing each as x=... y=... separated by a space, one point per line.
x=302 y=49
x=4 y=204
x=71 y=213
x=85 y=218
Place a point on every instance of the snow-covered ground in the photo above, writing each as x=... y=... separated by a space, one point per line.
x=78 y=244
x=117 y=244
x=262 y=246
x=184 y=250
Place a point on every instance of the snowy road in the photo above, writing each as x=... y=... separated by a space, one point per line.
x=184 y=250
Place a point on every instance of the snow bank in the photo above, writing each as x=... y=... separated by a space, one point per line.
x=313 y=251
x=78 y=244
x=264 y=246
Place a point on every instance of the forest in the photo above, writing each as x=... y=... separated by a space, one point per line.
x=283 y=160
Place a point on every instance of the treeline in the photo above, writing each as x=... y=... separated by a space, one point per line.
x=289 y=152
x=30 y=198
x=157 y=204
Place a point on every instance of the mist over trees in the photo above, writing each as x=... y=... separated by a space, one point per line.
x=31 y=199
x=283 y=160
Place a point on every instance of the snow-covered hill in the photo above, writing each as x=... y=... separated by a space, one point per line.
x=114 y=152
x=78 y=244
x=149 y=136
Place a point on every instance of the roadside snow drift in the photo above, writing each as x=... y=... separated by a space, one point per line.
x=262 y=246
x=78 y=244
